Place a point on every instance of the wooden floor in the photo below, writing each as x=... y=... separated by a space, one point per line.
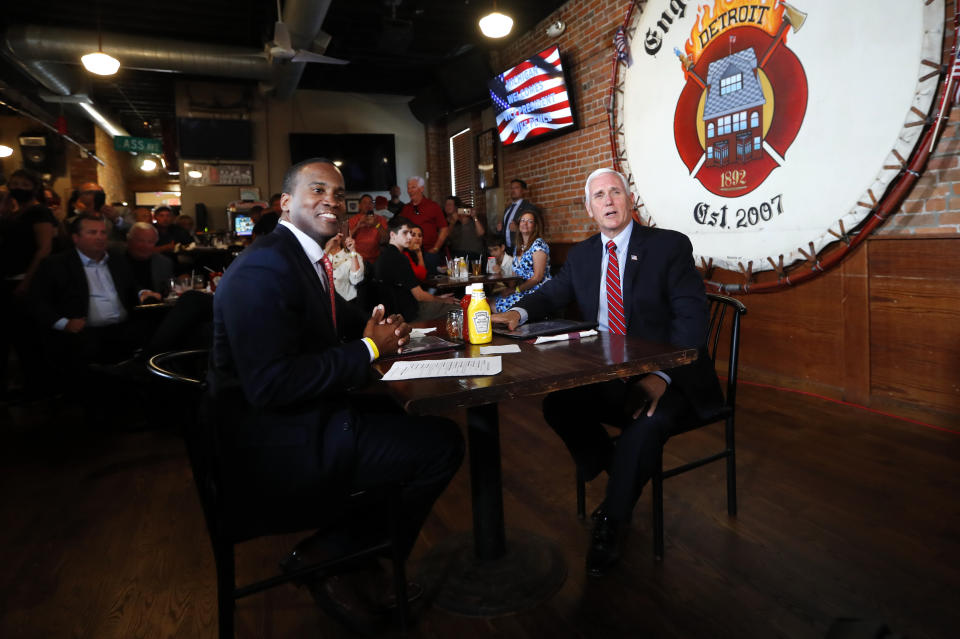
x=843 y=513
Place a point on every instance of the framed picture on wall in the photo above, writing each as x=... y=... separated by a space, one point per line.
x=353 y=205
x=487 y=159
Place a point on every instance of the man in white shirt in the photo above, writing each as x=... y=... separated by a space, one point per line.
x=633 y=280
x=87 y=293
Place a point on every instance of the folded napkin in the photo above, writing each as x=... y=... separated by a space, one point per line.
x=564 y=336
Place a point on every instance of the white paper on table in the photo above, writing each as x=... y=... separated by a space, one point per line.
x=565 y=336
x=420 y=332
x=456 y=367
x=493 y=350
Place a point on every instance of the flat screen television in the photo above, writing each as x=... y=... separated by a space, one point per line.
x=531 y=100
x=368 y=161
x=242 y=224
x=215 y=139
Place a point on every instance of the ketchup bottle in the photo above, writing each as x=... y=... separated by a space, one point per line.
x=464 y=303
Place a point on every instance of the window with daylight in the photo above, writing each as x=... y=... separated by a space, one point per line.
x=723 y=125
x=710 y=130
x=740 y=121
x=754 y=120
x=731 y=83
x=756 y=143
x=709 y=152
x=461 y=167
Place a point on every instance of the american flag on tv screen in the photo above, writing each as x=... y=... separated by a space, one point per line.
x=531 y=98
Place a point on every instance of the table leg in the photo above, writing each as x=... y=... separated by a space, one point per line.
x=483 y=434
x=480 y=574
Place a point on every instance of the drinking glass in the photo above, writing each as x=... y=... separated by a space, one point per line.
x=475 y=266
x=455 y=324
x=199 y=281
x=181 y=285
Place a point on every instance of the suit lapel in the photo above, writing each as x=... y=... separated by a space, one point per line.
x=591 y=286
x=634 y=258
x=314 y=289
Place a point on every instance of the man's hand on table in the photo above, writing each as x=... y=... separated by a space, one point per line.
x=645 y=394
x=510 y=318
x=75 y=325
x=389 y=332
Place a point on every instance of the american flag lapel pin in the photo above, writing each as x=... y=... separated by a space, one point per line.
x=633 y=258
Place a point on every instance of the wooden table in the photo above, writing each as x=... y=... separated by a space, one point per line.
x=446 y=284
x=490 y=577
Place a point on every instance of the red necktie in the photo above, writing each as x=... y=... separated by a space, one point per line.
x=614 y=296
x=328 y=269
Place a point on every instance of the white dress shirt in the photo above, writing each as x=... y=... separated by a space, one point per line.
x=315 y=254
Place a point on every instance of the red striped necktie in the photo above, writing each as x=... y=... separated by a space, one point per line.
x=614 y=295
x=328 y=269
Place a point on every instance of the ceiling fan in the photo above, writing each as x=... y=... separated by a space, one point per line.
x=281 y=47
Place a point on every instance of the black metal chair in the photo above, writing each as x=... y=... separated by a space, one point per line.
x=229 y=522
x=721 y=331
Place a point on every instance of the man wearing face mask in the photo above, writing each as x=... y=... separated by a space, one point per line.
x=27 y=228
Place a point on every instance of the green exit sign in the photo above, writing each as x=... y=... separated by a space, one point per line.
x=137 y=145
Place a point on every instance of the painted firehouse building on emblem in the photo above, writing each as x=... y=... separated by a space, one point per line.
x=733 y=110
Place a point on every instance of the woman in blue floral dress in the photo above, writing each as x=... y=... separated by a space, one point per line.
x=531 y=260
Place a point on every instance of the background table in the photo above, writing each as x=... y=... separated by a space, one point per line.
x=490 y=577
x=446 y=284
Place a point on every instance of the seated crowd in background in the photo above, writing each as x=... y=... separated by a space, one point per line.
x=97 y=263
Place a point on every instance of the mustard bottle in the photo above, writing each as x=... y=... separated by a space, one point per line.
x=478 y=317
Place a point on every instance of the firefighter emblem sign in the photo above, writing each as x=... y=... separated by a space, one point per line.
x=757 y=126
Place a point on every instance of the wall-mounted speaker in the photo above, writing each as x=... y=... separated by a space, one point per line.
x=42 y=153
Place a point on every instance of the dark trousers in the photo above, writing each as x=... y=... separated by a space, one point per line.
x=578 y=414
x=421 y=454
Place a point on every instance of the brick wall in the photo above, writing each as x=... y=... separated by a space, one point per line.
x=933 y=206
x=556 y=169
x=110 y=175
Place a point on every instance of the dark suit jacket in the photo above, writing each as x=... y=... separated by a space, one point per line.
x=278 y=368
x=664 y=300
x=60 y=289
x=525 y=205
x=161 y=270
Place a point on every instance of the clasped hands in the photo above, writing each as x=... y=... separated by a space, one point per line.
x=388 y=332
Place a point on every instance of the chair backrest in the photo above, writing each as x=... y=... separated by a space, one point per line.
x=188 y=367
x=724 y=331
x=187 y=370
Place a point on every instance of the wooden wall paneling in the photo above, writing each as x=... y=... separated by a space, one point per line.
x=855 y=313
x=915 y=321
x=795 y=337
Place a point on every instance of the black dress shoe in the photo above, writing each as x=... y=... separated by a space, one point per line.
x=337 y=597
x=604 y=551
x=599 y=513
x=292 y=563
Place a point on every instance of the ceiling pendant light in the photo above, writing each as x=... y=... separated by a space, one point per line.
x=495 y=24
x=99 y=62
x=5 y=151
